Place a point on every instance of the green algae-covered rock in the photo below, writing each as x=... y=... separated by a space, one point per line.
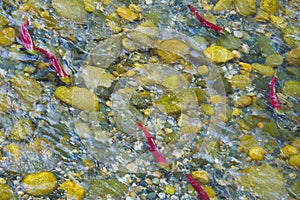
x=229 y=42
x=73 y=189
x=293 y=57
x=140 y=100
x=3 y=20
x=274 y=60
x=13 y=150
x=6 y=193
x=265 y=181
x=245 y=7
x=70 y=9
x=28 y=88
x=240 y=81
x=223 y=5
x=295 y=185
x=141 y=40
x=171 y=50
x=77 y=97
x=271 y=129
x=111 y=187
x=292 y=88
x=263 y=69
x=40 y=184
x=207 y=109
x=295 y=161
x=169 y=189
x=169 y=104
x=4 y=103
x=127 y=14
x=291 y=35
x=218 y=54
x=264 y=44
x=270 y=6
x=243 y=101
x=22 y=129
x=190 y=97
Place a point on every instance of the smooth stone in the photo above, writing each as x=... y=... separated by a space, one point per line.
x=229 y=42
x=77 y=97
x=172 y=50
x=174 y=82
x=238 y=34
x=70 y=9
x=262 y=16
x=39 y=184
x=169 y=189
x=243 y=101
x=279 y=22
x=293 y=57
x=94 y=77
x=22 y=129
x=291 y=35
x=292 y=88
x=148 y=28
x=6 y=192
x=218 y=54
x=263 y=69
x=245 y=7
x=201 y=176
x=106 y=52
x=7 y=36
x=141 y=40
x=295 y=161
x=223 y=5
x=127 y=14
x=289 y=150
x=240 y=81
x=274 y=60
x=89 y=5
x=169 y=105
x=270 y=6
x=256 y=153
x=73 y=189
x=3 y=20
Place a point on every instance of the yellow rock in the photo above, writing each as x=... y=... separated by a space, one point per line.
x=127 y=14
x=295 y=161
x=257 y=153
x=89 y=5
x=171 y=50
x=201 y=176
x=223 y=5
x=74 y=190
x=279 y=22
x=245 y=7
x=240 y=81
x=77 y=97
x=243 y=101
x=6 y=193
x=14 y=150
x=40 y=184
x=209 y=191
x=245 y=66
x=262 y=16
x=218 y=54
x=215 y=99
x=7 y=36
x=243 y=125
x=270 y=6
x=263 y=69
x=203 y=70
x=236 y=112
x=247 y=141
x=289 y=150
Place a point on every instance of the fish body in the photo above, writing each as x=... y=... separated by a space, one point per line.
x=158 y=156
x=274 y=99
x=204 y=22
x=25 y=37
x=197 y=187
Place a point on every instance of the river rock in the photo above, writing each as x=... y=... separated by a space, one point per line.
x=171 y=50
x=3 y=20
x=106 y=52
x=88 y=5
x=293 y=57
x=169 y=104
x=256 y=153
x=278 y=21
x=70 y=9
x=274 y=60
x=291 y=35
x=95 y=76
x=218 y=54
x=229 y=42
x=77 y=97
x=7 y=36
x=240 y=81
x=40 y=184
x=295 y=161
x=190 y=97
x=243 y=101
x=245 y=7
x=265 y=181
x=141 y=40
x=270 y=6
x=112 y=187
x=223 y=5
x=263 y=69
x=148 y=28
x=73 y=189
x=22 y=129
x=6 y=192
x=5 y=103
x=262 y=16
x=175 y=81
x=289 y=150
x=201 y=176
x=127 y=14
x=292 y=88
